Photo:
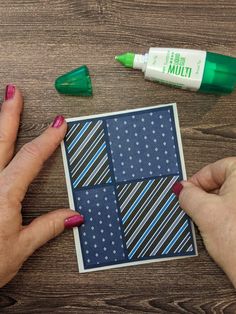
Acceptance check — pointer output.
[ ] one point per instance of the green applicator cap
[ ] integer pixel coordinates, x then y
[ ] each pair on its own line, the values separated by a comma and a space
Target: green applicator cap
126, 59
76, 82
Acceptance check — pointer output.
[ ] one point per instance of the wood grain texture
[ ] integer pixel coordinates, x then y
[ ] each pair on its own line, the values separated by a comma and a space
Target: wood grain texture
41, 40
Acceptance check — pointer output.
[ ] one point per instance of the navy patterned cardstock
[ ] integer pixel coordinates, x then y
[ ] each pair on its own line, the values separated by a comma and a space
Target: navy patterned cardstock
87, 154
120, 170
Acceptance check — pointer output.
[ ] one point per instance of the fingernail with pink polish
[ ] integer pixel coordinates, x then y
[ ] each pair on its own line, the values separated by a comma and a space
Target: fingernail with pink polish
58, 121
177, 188
10, 91
74, 221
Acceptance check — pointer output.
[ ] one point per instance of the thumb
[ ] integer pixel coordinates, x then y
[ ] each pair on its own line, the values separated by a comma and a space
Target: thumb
47, 227
197, 203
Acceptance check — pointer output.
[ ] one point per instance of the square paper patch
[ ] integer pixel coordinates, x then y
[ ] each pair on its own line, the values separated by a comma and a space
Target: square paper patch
87, 154
143, 145
101, 235
154, 224
120, 169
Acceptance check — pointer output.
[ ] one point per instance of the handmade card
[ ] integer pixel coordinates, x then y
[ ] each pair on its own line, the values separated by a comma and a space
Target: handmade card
120, 169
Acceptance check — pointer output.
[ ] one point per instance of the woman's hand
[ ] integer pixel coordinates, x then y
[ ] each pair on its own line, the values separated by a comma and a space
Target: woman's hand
209, 198
18, 242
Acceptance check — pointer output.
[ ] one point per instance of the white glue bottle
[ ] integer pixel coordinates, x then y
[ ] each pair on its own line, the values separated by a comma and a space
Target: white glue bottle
190, 69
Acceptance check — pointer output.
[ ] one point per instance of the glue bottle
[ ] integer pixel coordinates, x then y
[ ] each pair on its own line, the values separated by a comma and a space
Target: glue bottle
190, 69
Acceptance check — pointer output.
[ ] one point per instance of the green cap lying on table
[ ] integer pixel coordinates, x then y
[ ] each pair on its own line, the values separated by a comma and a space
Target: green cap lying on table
75, 83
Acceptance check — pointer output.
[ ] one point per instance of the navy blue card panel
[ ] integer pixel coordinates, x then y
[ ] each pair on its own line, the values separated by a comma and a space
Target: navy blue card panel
143, 145
101, 235
122, 169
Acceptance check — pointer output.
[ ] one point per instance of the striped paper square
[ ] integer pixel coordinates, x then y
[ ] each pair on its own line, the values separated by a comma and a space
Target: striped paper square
87, 154
153, 222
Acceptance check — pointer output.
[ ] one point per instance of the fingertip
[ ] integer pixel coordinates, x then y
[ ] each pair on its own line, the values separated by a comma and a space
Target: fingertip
73, 221
13, 101
65, 218
10, 90
198, 204
177, 188
53, 135
58, 121
60, 125
48, 226
184, 191
187, 192
13, 94
186, 184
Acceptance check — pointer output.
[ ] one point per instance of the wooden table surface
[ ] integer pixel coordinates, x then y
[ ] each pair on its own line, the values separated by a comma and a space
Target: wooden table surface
41, 40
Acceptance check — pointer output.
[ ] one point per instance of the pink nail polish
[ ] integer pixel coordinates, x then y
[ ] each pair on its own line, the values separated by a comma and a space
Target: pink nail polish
58, 121
10, 91
177, 188
74, 221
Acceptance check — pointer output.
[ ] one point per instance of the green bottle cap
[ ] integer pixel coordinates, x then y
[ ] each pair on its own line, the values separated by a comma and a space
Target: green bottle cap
76, 82
219, 74
126, 59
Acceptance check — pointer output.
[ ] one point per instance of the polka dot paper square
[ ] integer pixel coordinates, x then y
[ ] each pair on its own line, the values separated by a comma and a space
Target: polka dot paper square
101, 235
143, 145
120, 169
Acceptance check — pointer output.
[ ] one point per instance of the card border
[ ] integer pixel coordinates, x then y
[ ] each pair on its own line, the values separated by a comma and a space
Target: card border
70, 192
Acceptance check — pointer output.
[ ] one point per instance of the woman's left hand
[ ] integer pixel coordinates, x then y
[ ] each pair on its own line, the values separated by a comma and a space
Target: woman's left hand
18, 242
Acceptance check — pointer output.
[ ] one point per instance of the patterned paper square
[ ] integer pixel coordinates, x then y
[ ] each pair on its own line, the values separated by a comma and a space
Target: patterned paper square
87, 154
154, 224
101, 234
143, 145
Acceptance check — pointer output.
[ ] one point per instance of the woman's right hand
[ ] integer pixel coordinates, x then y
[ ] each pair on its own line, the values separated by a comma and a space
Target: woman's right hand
209, 198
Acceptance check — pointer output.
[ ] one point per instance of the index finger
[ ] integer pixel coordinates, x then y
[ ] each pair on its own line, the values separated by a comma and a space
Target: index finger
29, 160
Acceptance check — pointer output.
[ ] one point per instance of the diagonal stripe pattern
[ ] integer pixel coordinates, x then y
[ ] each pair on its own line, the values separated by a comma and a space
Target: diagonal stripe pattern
87, 155
153, 222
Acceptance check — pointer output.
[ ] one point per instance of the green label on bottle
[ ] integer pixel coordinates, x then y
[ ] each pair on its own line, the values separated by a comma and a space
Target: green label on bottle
179, 67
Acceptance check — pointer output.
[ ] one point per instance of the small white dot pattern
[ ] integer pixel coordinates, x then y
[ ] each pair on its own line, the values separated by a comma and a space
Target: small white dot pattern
100, 235
143, 145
